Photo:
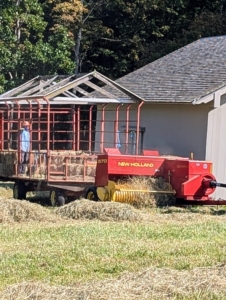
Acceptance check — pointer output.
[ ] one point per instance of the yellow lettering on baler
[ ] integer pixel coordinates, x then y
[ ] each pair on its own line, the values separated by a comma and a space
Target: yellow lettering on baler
123, 164
135, 164
102, 161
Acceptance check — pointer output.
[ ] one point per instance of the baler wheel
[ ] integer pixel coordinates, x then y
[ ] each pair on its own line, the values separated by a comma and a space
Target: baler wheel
91, 194
56, 198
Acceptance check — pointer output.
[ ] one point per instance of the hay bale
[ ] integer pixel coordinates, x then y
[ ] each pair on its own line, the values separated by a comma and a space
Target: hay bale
147, 199
8, 160
104, 211
77, 163
91, 171
75, 169
23, 211
39, 171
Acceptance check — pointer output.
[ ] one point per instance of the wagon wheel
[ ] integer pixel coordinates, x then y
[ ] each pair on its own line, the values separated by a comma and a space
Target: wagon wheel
53, 198
19, 191
91, 194
56, 199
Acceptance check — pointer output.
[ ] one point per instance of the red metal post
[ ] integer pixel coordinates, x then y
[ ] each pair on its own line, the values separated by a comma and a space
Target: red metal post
8, 125
78, 128
102, 128
48, 124
48, 137
18, 143
30, 114
39, 125
127, 128
116, 123
138, 126
90, 127
74, 130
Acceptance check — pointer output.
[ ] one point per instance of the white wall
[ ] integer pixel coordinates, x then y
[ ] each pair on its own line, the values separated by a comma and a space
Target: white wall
176, 129
216, 146
223, 99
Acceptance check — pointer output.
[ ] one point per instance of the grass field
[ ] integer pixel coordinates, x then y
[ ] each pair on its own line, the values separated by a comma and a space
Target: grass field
170, 253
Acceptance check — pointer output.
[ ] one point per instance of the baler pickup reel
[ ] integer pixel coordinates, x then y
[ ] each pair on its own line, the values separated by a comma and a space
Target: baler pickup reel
125, 194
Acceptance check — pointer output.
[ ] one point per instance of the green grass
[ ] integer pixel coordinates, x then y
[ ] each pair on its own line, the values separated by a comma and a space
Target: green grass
63, 254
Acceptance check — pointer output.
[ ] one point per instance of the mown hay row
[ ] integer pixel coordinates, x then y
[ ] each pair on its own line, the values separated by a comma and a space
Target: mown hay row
153, 283
23, 211
104, 211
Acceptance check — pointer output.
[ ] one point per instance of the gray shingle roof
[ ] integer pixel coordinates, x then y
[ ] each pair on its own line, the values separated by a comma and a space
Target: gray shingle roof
184, 75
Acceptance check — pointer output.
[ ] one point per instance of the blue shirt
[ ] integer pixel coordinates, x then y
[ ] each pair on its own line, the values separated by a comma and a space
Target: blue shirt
25, 140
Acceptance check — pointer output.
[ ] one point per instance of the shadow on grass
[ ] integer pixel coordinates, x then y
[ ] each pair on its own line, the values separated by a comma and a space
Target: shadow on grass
207, 210
7, 185
41, 198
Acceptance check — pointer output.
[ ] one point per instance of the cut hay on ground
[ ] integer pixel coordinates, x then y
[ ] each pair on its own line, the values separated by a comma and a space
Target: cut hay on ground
153, 283
24, 211
147, 199
104, 211
6, 191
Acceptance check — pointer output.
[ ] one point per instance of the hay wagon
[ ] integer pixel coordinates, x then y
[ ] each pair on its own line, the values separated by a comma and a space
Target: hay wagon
72, 119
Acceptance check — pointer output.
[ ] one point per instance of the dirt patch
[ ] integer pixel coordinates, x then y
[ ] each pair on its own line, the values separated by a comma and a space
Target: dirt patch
104, 211
23, 211
153, 283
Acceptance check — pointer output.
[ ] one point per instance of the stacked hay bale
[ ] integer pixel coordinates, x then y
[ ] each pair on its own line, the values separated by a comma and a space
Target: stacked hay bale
75, 165
8, 162
38, 164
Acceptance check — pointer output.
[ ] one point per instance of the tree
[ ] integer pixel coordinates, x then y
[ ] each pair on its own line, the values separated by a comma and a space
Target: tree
74, 15
24, 53
113, 36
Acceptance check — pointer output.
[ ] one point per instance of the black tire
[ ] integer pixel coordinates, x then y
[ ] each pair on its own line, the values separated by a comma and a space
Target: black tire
19, 191
91, 194
56, 198
61, 200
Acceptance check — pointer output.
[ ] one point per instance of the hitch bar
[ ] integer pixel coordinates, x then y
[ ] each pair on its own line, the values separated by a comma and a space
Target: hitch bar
214, 184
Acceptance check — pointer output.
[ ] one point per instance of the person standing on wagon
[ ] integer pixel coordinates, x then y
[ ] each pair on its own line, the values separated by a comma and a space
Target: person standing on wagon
24, 147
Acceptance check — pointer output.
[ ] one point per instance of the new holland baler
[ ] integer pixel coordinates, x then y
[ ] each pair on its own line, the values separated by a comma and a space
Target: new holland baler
187, 181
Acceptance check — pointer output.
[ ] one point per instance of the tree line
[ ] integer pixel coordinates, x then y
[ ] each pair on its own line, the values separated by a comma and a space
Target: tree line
115, 37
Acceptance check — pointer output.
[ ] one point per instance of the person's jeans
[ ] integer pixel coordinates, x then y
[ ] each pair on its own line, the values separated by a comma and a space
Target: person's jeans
24, 157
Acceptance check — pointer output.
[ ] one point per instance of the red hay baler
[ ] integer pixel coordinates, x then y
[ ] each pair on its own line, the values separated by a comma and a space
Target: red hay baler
188, 181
